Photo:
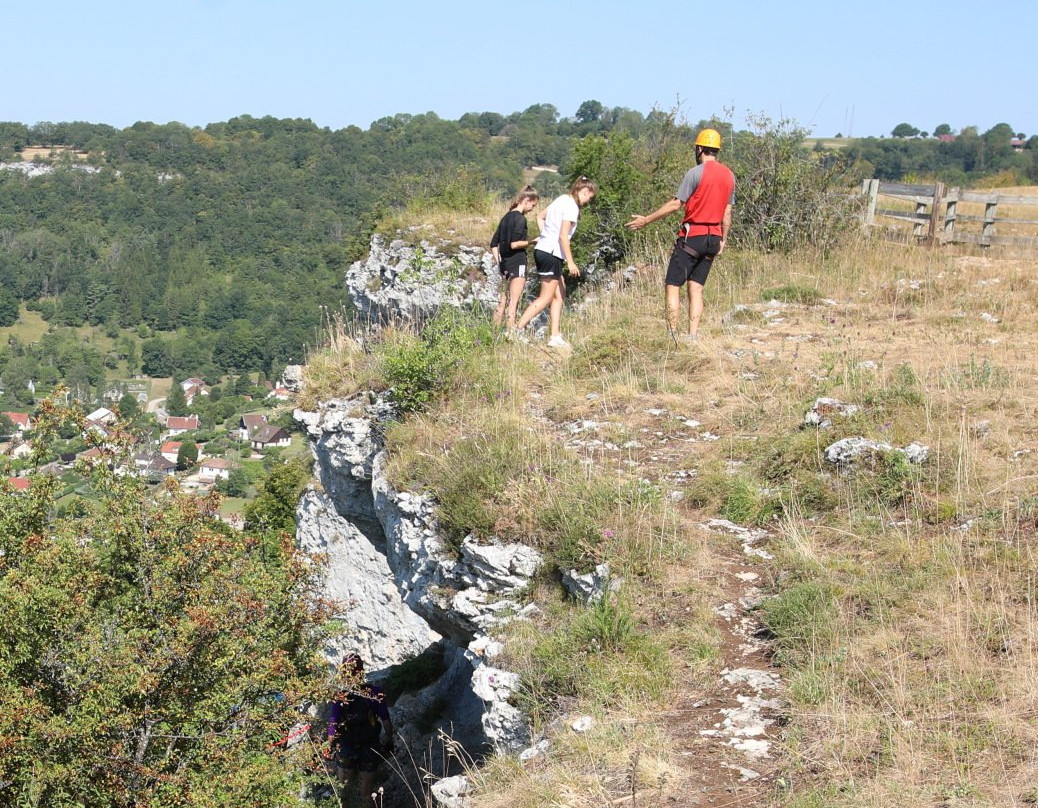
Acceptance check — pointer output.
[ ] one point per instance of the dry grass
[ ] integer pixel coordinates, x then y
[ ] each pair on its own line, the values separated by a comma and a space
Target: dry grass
919, 687
474, 225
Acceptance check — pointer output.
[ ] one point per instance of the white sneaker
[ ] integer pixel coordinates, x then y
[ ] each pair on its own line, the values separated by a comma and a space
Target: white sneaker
558, 342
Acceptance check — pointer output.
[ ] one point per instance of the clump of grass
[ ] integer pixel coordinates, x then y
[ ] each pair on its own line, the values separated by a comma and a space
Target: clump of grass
746, 503
803, 618
792, 293
977, 375
745, 315
597, 654
339, 367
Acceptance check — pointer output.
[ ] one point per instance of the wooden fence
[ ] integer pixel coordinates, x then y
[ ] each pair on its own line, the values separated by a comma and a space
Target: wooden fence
929, 224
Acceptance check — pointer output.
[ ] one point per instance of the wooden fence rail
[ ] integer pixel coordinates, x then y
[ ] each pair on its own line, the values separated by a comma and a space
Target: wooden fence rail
928, 223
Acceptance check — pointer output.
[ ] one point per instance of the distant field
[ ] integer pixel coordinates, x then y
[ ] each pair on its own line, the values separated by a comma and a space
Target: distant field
29, 328
828, 142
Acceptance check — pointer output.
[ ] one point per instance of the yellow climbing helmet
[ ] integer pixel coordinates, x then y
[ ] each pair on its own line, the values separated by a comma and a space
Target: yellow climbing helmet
709, 139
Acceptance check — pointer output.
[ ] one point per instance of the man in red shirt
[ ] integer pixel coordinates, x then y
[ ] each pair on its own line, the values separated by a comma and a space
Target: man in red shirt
706, 194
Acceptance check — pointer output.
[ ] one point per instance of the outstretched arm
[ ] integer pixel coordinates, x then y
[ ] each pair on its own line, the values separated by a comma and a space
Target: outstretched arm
637, 221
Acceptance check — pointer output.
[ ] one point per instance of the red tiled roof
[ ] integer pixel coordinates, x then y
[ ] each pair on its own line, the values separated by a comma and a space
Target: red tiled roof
21, 418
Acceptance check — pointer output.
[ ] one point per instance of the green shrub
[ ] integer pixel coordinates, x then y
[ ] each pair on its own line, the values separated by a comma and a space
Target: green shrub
420, 368
788, 198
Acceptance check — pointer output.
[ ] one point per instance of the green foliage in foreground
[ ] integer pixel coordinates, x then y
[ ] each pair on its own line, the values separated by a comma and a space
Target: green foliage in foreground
150, 656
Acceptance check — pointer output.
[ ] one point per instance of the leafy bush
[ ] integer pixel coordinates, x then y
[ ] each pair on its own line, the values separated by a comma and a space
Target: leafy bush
152, 655
421, 367
787, 198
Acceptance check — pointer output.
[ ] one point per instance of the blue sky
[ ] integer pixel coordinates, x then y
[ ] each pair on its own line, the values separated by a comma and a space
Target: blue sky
857, 68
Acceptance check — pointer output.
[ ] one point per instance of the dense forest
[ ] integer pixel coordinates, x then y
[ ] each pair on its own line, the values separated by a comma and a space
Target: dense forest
208, 251
236, 235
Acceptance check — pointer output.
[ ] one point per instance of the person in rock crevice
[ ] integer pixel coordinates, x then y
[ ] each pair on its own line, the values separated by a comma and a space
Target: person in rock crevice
357, 718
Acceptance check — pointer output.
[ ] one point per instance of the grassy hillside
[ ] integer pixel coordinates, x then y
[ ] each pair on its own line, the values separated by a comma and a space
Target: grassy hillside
898, 599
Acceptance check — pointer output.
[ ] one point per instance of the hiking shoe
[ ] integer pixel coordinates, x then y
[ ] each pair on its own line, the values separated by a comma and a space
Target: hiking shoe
558, 342
517, 335
687, 339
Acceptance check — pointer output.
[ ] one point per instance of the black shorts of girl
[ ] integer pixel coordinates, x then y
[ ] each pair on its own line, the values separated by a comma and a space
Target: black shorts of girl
513, 269
683, 267
548, 266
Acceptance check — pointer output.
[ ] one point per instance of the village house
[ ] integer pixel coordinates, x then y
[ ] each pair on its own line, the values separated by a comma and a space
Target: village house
249, 424
18, 483
21, 420
215, 468
169, 450
102, 416
154, 465
194, 387
21, 451
90, 455
178, 425
270, 437
97, 427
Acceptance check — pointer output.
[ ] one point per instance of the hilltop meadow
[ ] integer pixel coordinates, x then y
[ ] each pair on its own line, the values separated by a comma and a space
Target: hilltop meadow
897, 599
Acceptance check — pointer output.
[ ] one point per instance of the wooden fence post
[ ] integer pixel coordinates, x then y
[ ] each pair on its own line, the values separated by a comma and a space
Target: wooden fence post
950, 215
935, 212
990, 209
870, 187
917, 228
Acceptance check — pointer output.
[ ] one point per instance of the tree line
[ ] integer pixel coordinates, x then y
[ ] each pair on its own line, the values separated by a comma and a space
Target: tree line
964, 159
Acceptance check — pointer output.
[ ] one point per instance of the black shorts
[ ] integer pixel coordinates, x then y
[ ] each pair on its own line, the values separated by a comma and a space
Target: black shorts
513, 269
548, 266
683, 267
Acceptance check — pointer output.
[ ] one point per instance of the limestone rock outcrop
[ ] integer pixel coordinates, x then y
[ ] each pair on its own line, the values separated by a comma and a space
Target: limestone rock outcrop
400, 282
403, 586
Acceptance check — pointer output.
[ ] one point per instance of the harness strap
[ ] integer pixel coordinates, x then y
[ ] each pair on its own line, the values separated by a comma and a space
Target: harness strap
683, 244
686, 226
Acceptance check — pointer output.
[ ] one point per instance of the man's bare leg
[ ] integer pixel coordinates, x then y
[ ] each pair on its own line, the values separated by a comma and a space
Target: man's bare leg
695, 307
